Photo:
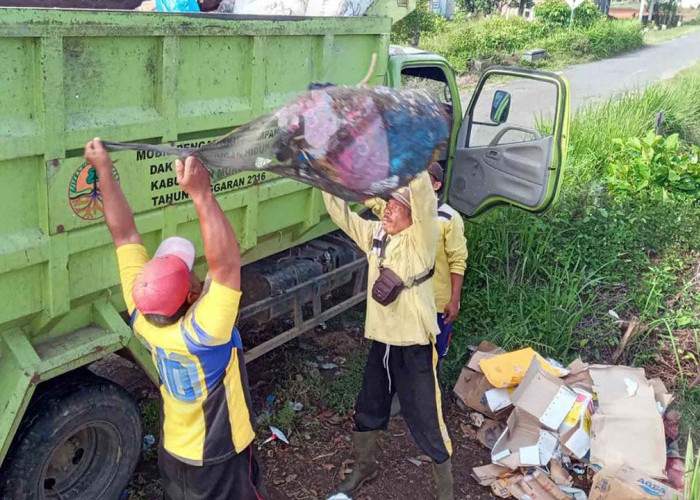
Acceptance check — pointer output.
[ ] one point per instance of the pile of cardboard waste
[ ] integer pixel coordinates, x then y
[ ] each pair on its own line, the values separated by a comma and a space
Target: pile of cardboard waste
576, 432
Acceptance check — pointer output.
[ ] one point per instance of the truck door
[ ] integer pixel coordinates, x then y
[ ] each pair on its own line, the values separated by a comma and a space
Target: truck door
511, 146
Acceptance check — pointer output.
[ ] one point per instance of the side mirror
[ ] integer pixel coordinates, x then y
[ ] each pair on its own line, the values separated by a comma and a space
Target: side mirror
500, 107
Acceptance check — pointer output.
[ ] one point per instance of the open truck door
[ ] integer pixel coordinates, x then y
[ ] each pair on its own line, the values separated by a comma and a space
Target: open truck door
511, 145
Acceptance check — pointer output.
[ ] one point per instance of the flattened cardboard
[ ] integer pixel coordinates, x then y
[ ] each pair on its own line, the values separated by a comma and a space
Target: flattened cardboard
661, 394
485, 350
626, 430
471, 388
543, 396
559, 474
575, 430
613, 483
523, 443
506, 370
579, 378
488, 474
543, 488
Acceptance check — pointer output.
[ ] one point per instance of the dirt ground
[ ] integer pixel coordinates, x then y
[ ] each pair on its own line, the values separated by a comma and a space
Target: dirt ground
314, 461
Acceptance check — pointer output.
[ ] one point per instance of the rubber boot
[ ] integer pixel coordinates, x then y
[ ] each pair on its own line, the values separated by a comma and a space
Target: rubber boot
443, 480
365, 467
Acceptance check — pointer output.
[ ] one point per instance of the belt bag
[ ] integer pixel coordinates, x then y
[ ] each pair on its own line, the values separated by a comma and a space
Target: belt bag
389, 285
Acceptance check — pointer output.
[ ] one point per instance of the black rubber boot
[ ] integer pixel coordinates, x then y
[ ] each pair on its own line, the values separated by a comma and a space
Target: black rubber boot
443, 480
365, 467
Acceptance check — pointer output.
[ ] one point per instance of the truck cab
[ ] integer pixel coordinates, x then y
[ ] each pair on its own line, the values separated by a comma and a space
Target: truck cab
508, 138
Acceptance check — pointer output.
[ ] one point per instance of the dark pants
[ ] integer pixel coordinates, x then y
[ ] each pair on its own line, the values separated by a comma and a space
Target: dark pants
238, 478
410, 372
442, 343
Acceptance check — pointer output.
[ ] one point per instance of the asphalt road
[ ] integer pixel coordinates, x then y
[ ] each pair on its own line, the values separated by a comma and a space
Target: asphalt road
533, 101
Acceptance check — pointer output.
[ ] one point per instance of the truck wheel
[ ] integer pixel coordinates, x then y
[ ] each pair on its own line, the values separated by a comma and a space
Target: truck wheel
82, 442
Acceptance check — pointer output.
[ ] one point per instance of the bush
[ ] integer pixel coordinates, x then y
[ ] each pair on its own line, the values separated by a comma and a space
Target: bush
661, 167
558, 12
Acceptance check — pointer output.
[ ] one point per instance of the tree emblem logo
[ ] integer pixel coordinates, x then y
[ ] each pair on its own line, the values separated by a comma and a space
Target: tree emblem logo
84, 194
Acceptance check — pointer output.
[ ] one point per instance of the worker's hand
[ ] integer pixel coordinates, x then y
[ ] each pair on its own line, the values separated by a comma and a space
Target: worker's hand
97, 156
192, 177
451, 312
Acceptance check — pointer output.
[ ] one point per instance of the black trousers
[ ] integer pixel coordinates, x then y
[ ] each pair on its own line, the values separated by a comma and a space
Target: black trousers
410, 372
238, 478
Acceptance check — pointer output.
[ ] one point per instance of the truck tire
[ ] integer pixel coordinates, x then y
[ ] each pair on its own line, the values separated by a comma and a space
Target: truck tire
78, 440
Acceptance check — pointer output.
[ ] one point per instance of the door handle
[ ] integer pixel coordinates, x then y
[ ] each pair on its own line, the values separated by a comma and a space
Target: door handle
493, 155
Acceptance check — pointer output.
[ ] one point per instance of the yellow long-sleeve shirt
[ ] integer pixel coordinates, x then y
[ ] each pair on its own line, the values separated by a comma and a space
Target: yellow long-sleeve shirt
451, 253
412, 318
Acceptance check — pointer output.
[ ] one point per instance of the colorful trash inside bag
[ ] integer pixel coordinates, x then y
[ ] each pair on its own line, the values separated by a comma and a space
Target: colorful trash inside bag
353, 142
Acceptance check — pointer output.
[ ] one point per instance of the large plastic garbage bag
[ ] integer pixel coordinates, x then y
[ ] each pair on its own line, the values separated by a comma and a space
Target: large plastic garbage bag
353, 142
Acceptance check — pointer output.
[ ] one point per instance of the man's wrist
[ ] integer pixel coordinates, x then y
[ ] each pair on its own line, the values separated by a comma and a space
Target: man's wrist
202, 197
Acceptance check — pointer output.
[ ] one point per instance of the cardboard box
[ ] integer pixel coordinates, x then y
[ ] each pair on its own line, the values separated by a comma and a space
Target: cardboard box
488, 474
523, 443
627, 428
575, 430
471, 388
485, 350
543, 396
579, 377
626, 483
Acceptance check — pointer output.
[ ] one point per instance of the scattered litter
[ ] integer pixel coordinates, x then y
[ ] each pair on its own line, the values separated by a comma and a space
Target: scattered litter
425, 458
329, 366
498, 399
505, 370
575, 493
661, 394
559, 474
476, 418
339, 496
489, 432
415, 462
488, 474
624, 482
614, 314
553, 431
544, 396
675, 472
523, 443
148, 442
296, 406
276, 434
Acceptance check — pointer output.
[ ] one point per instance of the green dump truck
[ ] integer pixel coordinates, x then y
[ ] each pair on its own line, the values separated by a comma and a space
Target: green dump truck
69, 75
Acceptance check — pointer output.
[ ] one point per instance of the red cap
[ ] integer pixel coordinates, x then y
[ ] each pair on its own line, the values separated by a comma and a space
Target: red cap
162, 286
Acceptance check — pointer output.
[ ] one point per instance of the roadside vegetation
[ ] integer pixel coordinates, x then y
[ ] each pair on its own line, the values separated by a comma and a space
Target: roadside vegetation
497, 40
612, 272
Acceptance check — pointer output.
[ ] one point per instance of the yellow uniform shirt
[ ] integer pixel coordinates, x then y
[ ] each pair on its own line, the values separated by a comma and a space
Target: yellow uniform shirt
206, 407
411, 319
451, 252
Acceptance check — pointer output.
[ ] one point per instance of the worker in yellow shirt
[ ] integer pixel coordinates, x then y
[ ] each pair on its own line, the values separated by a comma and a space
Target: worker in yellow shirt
205, 450
450, 261
401, 321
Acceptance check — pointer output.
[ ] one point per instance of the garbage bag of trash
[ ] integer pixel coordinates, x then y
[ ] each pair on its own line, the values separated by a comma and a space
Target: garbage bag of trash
177, 6
353, 142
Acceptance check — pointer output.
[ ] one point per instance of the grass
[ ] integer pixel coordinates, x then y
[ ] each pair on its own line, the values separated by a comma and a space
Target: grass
502, 41
550, 282
656, 37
